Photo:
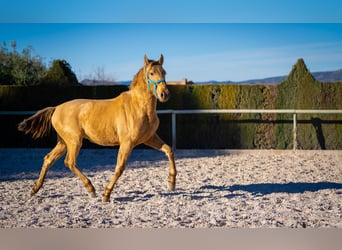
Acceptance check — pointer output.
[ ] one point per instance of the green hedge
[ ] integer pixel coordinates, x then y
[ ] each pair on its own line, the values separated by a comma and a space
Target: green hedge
301, 91
37, 97
263, 131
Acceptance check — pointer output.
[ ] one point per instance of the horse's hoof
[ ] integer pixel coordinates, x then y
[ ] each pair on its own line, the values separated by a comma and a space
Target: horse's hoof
105, 198
172, 187
33, 191
92, 195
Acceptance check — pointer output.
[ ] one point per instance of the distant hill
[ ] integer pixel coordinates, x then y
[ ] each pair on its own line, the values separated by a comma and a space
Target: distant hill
328, 76
324, 76
268, 80
89, 82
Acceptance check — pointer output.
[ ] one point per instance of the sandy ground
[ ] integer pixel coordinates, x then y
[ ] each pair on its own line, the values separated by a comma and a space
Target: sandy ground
215, 188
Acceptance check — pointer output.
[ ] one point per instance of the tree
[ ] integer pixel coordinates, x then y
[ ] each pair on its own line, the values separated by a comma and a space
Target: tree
5, 66
20, 69
27, 70
60, 74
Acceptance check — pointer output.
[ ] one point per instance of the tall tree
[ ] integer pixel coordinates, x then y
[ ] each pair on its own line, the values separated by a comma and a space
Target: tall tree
60, 74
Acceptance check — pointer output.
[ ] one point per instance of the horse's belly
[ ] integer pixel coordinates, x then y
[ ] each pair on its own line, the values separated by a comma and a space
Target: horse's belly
109, 140
100, 133
135, 136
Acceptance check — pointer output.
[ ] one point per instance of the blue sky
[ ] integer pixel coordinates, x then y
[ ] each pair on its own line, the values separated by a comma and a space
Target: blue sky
210, 40
171, 11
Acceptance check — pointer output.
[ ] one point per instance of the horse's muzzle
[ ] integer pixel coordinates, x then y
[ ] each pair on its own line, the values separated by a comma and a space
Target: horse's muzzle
164, 96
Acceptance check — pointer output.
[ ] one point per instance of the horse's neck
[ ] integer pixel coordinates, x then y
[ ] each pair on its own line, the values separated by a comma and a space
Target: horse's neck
144, 101
141, 95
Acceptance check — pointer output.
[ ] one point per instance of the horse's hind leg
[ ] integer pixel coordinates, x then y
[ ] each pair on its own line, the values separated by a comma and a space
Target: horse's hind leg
70, 161
49, 160
157, 143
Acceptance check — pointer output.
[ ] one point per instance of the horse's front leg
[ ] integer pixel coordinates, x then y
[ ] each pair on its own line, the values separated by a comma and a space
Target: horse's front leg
124, 152
157, 143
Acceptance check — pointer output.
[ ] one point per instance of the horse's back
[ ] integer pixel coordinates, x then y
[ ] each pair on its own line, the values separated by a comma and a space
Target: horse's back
86, 118
72, 111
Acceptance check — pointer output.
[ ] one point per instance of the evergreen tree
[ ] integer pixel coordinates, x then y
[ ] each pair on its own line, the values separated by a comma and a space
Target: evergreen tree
60, 74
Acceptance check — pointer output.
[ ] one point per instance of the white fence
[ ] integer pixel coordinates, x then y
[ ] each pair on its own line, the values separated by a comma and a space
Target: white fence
294, 112
173, 114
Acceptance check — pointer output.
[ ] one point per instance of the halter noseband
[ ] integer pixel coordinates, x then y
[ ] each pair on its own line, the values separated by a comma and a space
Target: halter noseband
149, 81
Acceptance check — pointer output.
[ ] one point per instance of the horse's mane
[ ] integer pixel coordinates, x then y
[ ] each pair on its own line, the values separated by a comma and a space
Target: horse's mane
137, 78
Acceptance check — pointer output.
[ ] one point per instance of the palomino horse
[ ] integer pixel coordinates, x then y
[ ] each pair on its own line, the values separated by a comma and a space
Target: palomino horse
127, 120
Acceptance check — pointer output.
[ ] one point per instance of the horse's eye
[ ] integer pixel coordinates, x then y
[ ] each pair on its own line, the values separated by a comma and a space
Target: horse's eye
151, 73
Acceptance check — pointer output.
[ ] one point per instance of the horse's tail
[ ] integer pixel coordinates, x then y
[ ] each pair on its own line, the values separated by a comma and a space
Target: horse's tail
39, 124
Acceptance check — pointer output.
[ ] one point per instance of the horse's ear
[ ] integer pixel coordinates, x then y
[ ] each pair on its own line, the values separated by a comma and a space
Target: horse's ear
146, 60
161, 59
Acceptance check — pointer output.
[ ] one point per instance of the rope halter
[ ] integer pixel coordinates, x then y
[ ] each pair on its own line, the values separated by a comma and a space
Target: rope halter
149, 81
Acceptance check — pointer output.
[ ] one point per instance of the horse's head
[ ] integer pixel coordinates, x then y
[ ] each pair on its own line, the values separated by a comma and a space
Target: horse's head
155, 78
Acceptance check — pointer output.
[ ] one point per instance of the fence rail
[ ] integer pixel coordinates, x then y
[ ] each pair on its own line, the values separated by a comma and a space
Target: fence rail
294, 112
174, 112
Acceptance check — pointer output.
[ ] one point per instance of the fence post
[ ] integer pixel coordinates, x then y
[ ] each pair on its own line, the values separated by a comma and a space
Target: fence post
294, 131
173, 128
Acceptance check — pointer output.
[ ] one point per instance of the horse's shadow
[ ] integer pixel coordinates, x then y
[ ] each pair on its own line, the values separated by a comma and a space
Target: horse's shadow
229, 192
269, 188
135, 196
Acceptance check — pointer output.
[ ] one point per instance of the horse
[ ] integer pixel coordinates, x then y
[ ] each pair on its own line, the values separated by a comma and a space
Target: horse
126, 121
